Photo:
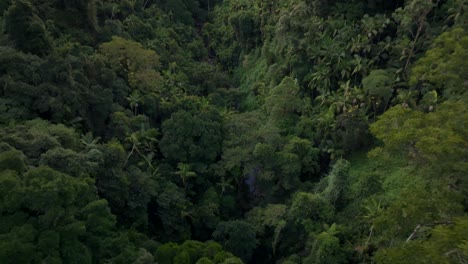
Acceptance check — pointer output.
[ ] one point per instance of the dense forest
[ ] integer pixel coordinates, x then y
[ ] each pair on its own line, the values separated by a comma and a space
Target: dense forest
235, 131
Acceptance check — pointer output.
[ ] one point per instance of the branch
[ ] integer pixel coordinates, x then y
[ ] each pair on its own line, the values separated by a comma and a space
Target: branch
370, 235
144, 6
416, 229
129, 155
440, 223
420, 23
450, 252
413, 234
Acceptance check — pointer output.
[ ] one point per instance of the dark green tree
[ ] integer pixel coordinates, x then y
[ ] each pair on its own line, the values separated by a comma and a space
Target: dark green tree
237, 237
26, 29
191, 137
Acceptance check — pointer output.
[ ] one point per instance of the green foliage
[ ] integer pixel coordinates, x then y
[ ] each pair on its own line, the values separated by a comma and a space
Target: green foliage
135, 131
273, 216
425, 138
284, 104
26, 29
379, 87
172, 206
445, 244
12, 160
10, 186
310, 210
241, 136
444, 66
194, 252
4, 5
326, 248
237, 237
246, 27
337, 182
68, 161
129, 56
166, 253
56, 205
192, 138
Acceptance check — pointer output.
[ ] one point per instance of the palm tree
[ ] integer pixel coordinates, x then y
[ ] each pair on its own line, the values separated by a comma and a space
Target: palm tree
184, 172
89, 141
374, 209
134, 99
134, 140
224, 184
137, 143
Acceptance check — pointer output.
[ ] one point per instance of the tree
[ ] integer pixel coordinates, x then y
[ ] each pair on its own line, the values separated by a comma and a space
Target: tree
413, 21
309, 211
141, 189
12, 160
284, 104
184, 172
241, 136
326, 248
111, 182
52, 212
191, 138
246, 27
237, 237
139, 65
445, 244
4, 5
337, 182
69, 162
173, 211
378, 85
428, 146
444, 67
207, 213
192, 251
306, 153
272, 217
26, 29
424, 138
11, 193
